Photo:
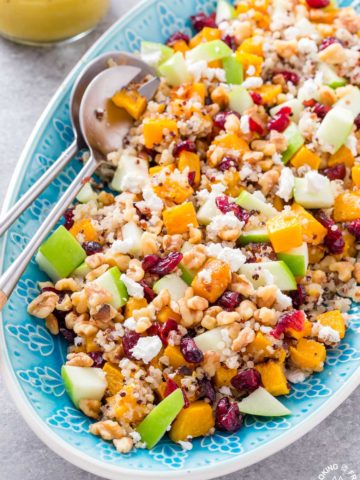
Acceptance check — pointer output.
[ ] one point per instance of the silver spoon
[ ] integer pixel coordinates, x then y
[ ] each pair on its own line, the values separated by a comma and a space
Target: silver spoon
88, 74
94, 132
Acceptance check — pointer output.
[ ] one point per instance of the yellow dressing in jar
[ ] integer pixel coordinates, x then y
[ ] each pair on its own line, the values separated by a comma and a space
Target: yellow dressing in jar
48, 21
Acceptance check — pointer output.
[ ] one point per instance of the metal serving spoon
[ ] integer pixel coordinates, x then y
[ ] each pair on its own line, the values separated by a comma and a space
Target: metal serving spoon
101, 135
88, 74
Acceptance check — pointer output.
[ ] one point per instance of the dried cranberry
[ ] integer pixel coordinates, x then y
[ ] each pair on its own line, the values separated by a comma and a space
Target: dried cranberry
220, 118
227, 416
69, 218
321, 110
280, 121
248, 380
189, 349
191, 178
184, 145
129, 341
170, 387
201, 20
298, 296
309, 103
97, 357
257, 98
164, 265
178, 36
150, 261
229, 300
227, 163
294, 319
207, 390
155, 329
337, 172
333, 240
357, 122
149, 293
165, 330
69, 335
289, 76
230, 41
318, 3
354, 228
223, 204
92, 247
255, 127
327, 42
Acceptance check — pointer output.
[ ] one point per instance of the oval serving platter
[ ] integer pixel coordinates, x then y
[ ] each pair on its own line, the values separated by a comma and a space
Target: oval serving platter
31, 358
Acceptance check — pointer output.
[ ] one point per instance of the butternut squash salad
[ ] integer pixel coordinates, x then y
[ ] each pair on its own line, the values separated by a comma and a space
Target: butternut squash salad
221, 270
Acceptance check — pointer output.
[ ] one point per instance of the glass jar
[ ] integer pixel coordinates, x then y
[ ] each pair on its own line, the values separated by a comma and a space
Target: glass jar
41, 22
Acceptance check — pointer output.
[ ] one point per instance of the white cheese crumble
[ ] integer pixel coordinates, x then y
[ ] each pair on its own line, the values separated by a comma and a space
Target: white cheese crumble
130, 323
315, 182
185, 445
122, 246
251, 70
205, 276
147, 348
325, 333
245, 171
223, 221
252, 82
306, 46
134, 182
282, 301
286, 184
309, 90
244, 124
233, 256
296, 376
151, 200
133, 288
197, 69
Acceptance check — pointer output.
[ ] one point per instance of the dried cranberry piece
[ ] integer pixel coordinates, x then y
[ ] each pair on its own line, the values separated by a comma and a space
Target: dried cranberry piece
337, 172
207, 390
357, 122
227, 416
191, 178
227, 163
150, 261
321, 110
333, 240
177, 36
255, 127
230, 41
129, 341
229, 300
289, 76
294, 319
97, 357
170, 387
189, 349
69, 335
184, 145
166, 264
327, 42
220, 118
201, 20
149, 293
155, 329
223, 204
165, 330
309, 103
318, 3
249, 380
257, 98
92, 247
354, 228
69, 218
298, 296
280, 121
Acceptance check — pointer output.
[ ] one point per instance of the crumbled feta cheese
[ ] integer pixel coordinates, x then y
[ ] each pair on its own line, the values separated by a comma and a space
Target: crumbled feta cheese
135, 436
233, 256
130, 323
197, 69
291, 33
185, 445
286, 184
252, 82
282, 301
325, 333
259, 195
309, 90
306, 46
221, 222
351, 144
244, 124
147, 348
315, 182
122, 246
205, 276
133, 288
251, 70
296, 376
134, 182
245, 171
151, 200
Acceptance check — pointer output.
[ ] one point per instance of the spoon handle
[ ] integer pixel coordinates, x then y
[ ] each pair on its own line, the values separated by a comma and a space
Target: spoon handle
37, 188
11, 276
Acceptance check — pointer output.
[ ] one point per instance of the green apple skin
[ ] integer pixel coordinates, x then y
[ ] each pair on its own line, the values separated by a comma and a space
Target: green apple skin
154, 54
208, 210
335, 128
209, 51
254, 236
175, 285
84, 383
224, 11
313, 200
295, 142
297, 259
81, 271
60, 254
351, 101
240, 99
155, 425
249, 201
282, 275
86, 194
112, 282
263, 404
187, 274
175, 70
234, 71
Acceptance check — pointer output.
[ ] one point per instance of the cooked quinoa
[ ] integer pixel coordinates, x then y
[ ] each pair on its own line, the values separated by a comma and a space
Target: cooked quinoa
220, 185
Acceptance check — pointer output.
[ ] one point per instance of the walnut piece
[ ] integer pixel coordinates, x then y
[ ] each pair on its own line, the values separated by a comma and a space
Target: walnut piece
43, 305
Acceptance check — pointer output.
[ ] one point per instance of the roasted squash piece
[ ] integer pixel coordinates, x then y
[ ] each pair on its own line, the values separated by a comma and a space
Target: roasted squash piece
284, 231
178, 219
131, 101
343, 155
192, 161
173, 191
156, 129
220, 274
176, 358
114, 378
223, 376
273, 377
308, 355
347, 206
305, 332
85, 229
134, 304
194, 421
304, 156
333, 319
166, 313
258, 349
312, 230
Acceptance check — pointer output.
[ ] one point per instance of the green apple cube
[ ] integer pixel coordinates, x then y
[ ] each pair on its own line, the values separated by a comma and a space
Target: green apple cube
351, 101
335, 128
330, 77
277, 273
308, 198
214, 340
173, 284
129, 165
60, 254
209, 51
234, 71
86, 194
263, 404
81, 271
175, 70
187, 274
249, 201
297, 259
132, 233
224, 11
112, 283
240, 99
295, 141
156, 423
294, 104
84, 383
253, 236
154, 54
208, 210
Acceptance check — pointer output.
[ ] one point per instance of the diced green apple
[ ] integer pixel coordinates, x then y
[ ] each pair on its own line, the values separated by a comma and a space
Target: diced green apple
60, 254
133, 233
240, 99
208, 210
295, 141
335, 128
86, 194
112, 283
305, 196
278, 272
156, 423
175, 70
294, 104
297, 259
84, 383
154, 54
214, 340
209, 51
263, 404
173, 284
253, 236
224, 11
128, 165
330, 77
351, 101
81, 271
187, 273
249, 201
234, 71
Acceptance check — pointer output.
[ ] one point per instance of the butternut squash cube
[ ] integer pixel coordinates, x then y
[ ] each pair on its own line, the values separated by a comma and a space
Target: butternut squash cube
85, 229
250, 60
162, 168
205, 35
134, 304
347, 206
194, 421
333, 319
131, 101
178, 219
308, 355
343, 155
355, 174
166, 313
91, 345
220, 274
223, 376
176, 358
230, 141
269, 93
173, 191
156, 129
180, 46
126, 408
312, 230
305, 332
304, 156
192, 161
258, 348
252, 45
114, 378
284, 231
273, 377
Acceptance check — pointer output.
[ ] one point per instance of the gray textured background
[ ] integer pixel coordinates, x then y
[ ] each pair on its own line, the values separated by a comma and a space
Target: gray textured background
28, 78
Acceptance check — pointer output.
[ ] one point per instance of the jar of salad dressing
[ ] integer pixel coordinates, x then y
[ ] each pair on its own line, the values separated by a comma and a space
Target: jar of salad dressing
41, 22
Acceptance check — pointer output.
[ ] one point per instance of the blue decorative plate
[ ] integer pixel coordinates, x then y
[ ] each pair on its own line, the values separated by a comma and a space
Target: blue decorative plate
31, 357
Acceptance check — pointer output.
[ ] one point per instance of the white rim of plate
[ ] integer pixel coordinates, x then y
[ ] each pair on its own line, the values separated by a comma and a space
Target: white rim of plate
58, 445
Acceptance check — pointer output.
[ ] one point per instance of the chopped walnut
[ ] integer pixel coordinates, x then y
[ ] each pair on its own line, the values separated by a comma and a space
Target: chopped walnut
52, 324
64, 304
43, 305
357, 272
94, 261
123, 445
97, 295
195, 235
80, 301
172, 243
285, 48
106, 198
148, 244
232, 124
195, 258
240, 284
208, 322
96, 273
266, 316
268, 181
211, 363
67, 284
91, 408
245, 337
135, 270
108, 430
79, 359
246, 309
197, 303
220, 96
333, 54
85, 329
279, 141
162, 300
189, 317
343, 269
266, 296
227, 318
